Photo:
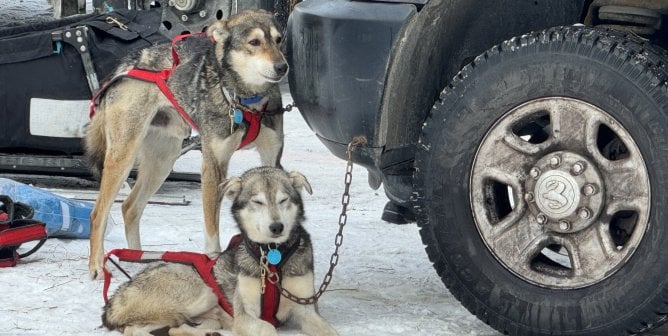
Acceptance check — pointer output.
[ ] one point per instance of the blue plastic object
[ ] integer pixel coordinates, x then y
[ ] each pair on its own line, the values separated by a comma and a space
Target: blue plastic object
274, 256
64, 218
238, 116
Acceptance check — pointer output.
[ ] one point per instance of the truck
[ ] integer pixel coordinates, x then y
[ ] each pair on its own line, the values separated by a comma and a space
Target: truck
526, 138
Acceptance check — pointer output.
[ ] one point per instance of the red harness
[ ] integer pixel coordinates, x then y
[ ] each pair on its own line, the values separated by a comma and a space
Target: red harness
204, 267
16, 228
253, 128
15, 233
160, 79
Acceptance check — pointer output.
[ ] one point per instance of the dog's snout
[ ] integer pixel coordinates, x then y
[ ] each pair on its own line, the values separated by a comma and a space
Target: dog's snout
281, 68
276, 228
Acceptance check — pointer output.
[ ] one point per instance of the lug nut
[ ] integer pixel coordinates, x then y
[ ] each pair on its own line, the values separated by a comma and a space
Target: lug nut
589, 189
584, 213
555, 161
564, 225
541, 219
529, 197
578, 168
534, 172
184, 17
202, 13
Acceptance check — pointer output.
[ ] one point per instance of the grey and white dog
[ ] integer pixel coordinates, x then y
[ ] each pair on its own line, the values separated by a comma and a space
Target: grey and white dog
268, 209
135, 124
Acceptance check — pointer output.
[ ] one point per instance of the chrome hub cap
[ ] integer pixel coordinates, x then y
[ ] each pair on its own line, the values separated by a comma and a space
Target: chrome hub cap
560, 193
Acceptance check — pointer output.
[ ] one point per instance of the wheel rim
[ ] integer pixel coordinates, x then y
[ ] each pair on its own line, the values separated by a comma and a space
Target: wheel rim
560, 193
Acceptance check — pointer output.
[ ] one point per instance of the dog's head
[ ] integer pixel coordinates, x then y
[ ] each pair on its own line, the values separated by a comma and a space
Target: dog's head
267, 204
249, 43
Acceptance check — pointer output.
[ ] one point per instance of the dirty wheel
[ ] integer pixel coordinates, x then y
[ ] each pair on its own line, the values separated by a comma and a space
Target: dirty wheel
540, 185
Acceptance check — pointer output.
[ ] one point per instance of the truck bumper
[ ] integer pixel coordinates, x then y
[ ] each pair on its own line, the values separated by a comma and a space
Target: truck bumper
339, 52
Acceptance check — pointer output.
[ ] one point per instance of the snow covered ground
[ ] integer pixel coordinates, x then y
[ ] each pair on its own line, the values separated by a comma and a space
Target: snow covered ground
384, 284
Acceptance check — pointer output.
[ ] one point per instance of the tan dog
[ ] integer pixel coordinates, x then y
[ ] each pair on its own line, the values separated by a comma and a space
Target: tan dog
136, 124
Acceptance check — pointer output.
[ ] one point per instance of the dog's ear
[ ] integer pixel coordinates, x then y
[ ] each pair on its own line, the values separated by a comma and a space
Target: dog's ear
219, 31
299, 181
231, 187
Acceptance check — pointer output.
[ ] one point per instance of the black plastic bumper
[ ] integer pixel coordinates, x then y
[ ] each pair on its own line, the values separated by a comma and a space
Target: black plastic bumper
339, 52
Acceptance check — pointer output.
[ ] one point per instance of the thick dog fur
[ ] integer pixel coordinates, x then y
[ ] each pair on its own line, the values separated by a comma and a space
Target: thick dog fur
173, 295
135, 124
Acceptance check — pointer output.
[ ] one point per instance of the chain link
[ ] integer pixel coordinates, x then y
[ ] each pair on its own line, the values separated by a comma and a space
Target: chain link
288, 107
338, 241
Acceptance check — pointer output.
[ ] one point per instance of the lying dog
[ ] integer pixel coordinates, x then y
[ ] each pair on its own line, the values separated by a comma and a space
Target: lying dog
268, 209
238, 63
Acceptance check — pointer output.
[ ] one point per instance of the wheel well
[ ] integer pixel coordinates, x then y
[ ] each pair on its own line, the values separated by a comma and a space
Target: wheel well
438, 42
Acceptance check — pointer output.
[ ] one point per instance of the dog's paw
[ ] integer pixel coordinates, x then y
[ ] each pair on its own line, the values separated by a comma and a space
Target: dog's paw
95, 272
95, 265
266, 329
256, 328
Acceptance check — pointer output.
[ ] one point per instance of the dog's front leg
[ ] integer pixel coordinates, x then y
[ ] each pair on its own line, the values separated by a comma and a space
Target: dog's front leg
135, 330
270, 143
216, 155
247, 309
305, 316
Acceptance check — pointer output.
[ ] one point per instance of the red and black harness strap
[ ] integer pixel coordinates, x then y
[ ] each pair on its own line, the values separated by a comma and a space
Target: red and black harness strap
253, 129
272, 292
204, 267
15, 233
15, 229
270, 299
201, 262
160, 79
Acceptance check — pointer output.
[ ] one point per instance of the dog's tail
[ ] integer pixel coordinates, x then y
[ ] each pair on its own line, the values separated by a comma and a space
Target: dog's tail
95, 144
107, 321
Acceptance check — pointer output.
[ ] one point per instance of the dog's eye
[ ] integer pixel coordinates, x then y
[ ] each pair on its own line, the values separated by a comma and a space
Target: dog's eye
283, 201
256, 202
279, 40
254, 42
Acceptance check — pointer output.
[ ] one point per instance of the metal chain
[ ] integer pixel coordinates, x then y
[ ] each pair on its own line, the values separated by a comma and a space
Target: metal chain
289, 107
338, 241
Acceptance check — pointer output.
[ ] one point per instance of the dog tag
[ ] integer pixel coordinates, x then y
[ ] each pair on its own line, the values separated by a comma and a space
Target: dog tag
238, 116
274, 256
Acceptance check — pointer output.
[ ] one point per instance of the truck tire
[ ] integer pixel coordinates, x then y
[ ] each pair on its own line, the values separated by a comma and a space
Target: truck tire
541, 184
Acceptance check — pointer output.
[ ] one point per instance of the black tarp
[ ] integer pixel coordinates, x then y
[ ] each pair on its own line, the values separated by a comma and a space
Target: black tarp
32, 65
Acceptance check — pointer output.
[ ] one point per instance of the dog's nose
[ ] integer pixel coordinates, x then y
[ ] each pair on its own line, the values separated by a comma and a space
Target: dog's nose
281, 68
276, 228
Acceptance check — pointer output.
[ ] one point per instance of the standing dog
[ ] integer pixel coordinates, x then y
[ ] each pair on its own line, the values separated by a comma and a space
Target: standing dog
268, 209
136, 123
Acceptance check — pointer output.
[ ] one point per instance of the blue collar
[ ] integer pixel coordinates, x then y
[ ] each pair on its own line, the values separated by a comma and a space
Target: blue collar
250, 100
